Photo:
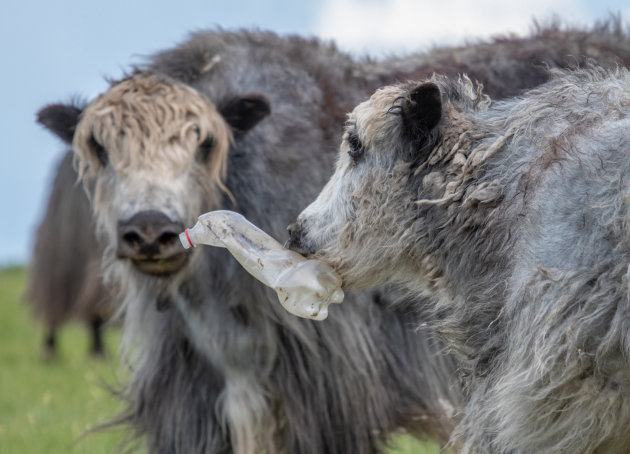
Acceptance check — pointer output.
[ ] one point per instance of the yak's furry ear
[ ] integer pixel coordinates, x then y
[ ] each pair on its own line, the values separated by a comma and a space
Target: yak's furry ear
421, 113
422, 108
60, 119
245, 112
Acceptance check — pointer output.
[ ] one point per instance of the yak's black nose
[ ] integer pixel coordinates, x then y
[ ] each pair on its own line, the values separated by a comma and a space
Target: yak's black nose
148, 234
296, 239
151, 240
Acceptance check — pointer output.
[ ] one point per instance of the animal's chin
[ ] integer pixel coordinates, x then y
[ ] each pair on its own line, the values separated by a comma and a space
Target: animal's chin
352, 277
308, 249
161, 266
300, 249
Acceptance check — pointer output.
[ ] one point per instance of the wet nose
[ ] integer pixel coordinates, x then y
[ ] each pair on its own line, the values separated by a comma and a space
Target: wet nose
148, 235
294, 233
296, 238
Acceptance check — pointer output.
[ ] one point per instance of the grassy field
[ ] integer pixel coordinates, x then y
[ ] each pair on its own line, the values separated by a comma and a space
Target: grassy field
46, 407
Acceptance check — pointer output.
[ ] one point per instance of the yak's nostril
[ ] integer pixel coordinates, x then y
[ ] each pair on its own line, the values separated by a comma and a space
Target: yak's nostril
167, 238
296, 238
293, 230
132, 238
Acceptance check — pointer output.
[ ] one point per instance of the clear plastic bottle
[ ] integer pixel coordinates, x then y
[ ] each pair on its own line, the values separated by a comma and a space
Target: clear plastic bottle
305, 287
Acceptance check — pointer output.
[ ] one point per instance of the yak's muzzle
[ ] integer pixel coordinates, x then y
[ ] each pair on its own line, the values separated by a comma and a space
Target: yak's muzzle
150, 240
297, 241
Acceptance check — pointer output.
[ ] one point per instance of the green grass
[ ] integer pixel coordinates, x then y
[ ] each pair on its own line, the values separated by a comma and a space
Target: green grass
409, 445
46, 407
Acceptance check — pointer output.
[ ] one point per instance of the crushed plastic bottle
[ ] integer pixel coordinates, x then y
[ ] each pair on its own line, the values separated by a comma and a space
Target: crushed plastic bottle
305, 287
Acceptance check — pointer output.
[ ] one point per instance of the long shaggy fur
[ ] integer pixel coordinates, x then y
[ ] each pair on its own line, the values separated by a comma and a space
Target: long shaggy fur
514, 229
224, 369
504, 65
221, 367
507, 65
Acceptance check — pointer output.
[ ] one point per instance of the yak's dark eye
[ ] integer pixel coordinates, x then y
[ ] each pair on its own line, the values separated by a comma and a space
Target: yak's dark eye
355, 147
99, 151
205, 149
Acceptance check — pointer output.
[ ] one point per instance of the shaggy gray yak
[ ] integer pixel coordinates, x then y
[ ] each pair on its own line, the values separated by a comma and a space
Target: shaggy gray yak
225, 120
510, 221
505, 66
217, 366
64, 271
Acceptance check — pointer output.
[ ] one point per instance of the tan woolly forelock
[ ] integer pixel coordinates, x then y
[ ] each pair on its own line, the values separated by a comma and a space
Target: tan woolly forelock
371, 118
151, 123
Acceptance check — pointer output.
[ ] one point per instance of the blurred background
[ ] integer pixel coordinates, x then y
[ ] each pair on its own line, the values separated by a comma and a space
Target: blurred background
56, 51
52, 51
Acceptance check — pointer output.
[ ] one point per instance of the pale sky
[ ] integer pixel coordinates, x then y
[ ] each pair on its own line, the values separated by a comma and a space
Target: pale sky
52, 51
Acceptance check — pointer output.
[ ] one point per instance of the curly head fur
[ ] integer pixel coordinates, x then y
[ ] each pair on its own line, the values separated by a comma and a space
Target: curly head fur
138, 116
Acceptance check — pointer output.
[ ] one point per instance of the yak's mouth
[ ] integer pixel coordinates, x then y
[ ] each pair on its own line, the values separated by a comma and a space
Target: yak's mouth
160, 266
306, 251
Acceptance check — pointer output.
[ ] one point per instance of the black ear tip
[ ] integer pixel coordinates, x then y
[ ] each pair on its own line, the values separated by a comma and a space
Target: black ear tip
260, 102
426, 93
244, 112
44, 114
60, 119
52, 111
259, 106
422, 110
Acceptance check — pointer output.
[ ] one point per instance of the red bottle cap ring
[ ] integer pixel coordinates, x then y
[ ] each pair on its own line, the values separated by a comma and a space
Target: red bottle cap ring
188, 238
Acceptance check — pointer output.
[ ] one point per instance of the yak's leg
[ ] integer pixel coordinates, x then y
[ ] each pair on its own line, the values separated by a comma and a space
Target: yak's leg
49, 347
98, 347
